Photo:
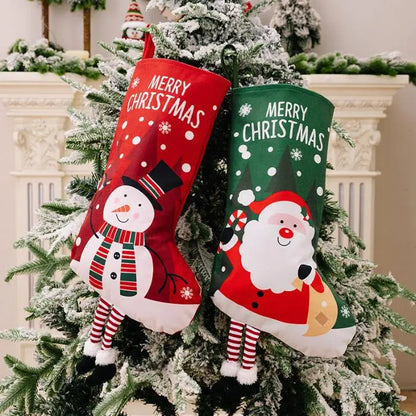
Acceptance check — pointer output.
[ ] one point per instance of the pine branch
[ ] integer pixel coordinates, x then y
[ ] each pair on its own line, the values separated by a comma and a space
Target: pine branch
115, 401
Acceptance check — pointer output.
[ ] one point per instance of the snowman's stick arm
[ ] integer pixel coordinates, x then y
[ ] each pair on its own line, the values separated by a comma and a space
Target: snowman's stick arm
167, 274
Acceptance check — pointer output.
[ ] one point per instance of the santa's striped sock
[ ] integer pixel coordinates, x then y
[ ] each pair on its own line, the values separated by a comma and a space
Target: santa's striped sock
114, 321
234, 340
250, 341
101, 313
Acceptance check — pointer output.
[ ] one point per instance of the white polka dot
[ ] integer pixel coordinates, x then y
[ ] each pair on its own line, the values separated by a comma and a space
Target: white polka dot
238, 173
317, 159
246, 155
223, 269
121, 156
136, 140
150, 123
319, 190
78, 241
271, 171
242, 148
163, 146
214, 107
109, 166
236, 134
189, 135
144, 164
141, 118
231, 196
97, 206
299, 173
270, 149
186, 167
124, 125
324, 304
127, 137
258, 188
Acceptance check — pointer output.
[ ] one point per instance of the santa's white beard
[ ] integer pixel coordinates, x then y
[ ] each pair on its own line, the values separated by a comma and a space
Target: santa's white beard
271, 265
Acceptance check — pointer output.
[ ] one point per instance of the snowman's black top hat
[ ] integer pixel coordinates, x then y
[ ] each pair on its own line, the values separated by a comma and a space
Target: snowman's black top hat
157, 182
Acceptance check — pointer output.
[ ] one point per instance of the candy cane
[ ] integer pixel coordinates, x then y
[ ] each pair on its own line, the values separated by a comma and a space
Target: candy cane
238, 216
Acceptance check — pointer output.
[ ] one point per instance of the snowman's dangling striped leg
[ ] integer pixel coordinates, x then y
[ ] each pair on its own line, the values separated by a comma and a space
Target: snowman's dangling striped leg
230, 366
105, 367
247, 374
93, 344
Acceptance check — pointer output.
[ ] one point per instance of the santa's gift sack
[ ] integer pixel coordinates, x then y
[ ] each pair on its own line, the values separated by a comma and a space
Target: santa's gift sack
265, 273
125, 249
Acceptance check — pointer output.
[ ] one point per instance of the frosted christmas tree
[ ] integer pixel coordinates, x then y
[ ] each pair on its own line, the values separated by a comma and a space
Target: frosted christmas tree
170, 371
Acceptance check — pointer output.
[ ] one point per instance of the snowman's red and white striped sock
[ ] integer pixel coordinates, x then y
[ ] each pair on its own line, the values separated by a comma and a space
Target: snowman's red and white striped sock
250, 342
114, 321
234, 340
101, 314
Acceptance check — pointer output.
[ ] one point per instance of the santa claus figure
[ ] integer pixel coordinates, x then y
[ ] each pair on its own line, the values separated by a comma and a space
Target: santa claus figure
274, 285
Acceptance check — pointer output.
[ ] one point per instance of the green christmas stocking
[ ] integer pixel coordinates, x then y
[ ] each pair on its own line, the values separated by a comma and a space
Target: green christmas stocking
265, 275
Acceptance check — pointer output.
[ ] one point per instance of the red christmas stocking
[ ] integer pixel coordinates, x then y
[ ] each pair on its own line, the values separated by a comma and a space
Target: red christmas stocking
265, 274
126, 249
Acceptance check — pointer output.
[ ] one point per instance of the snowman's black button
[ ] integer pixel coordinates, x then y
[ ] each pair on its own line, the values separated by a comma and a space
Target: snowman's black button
260, 293
113, 275
116, 255
255, 305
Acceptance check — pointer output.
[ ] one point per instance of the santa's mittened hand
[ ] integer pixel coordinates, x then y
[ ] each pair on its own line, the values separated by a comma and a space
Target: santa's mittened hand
304, 271
226, 235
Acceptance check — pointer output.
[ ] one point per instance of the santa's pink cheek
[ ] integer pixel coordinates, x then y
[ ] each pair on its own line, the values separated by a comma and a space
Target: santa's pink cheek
116, 200
136, 216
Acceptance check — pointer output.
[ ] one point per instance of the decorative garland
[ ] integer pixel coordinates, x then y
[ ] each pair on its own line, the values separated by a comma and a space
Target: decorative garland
45, 56
338, 63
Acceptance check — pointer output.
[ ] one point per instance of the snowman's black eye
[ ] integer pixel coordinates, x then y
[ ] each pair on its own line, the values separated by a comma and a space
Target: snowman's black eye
140, 205
281, 221
125, 195
294, 225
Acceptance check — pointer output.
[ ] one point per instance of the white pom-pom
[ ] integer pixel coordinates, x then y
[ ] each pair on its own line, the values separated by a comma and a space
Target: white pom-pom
246, 197
229, 368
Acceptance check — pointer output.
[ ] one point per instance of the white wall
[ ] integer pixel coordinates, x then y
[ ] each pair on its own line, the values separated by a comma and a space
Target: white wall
362, 28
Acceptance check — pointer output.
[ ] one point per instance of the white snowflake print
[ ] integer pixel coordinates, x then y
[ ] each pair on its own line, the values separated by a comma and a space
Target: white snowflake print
135, 82
296, 154
187, 293
165, 127
345, 312
245, 110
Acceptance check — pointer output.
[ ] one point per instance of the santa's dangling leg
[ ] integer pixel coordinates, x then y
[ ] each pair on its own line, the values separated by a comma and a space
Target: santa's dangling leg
247, 372
98, 354
231, 365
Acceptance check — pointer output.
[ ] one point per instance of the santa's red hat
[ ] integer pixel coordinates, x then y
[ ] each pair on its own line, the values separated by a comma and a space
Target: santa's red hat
284, 202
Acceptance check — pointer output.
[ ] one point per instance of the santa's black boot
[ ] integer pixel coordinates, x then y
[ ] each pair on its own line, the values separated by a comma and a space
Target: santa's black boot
87, 362
105, 367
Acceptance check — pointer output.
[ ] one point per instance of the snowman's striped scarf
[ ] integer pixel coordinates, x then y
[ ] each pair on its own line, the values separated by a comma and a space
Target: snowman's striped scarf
128, 277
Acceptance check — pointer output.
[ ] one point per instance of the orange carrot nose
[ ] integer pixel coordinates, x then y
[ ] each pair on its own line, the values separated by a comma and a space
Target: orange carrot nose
124, 208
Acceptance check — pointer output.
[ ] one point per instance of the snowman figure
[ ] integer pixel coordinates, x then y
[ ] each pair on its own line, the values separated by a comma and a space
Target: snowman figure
133, 26
117, 263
